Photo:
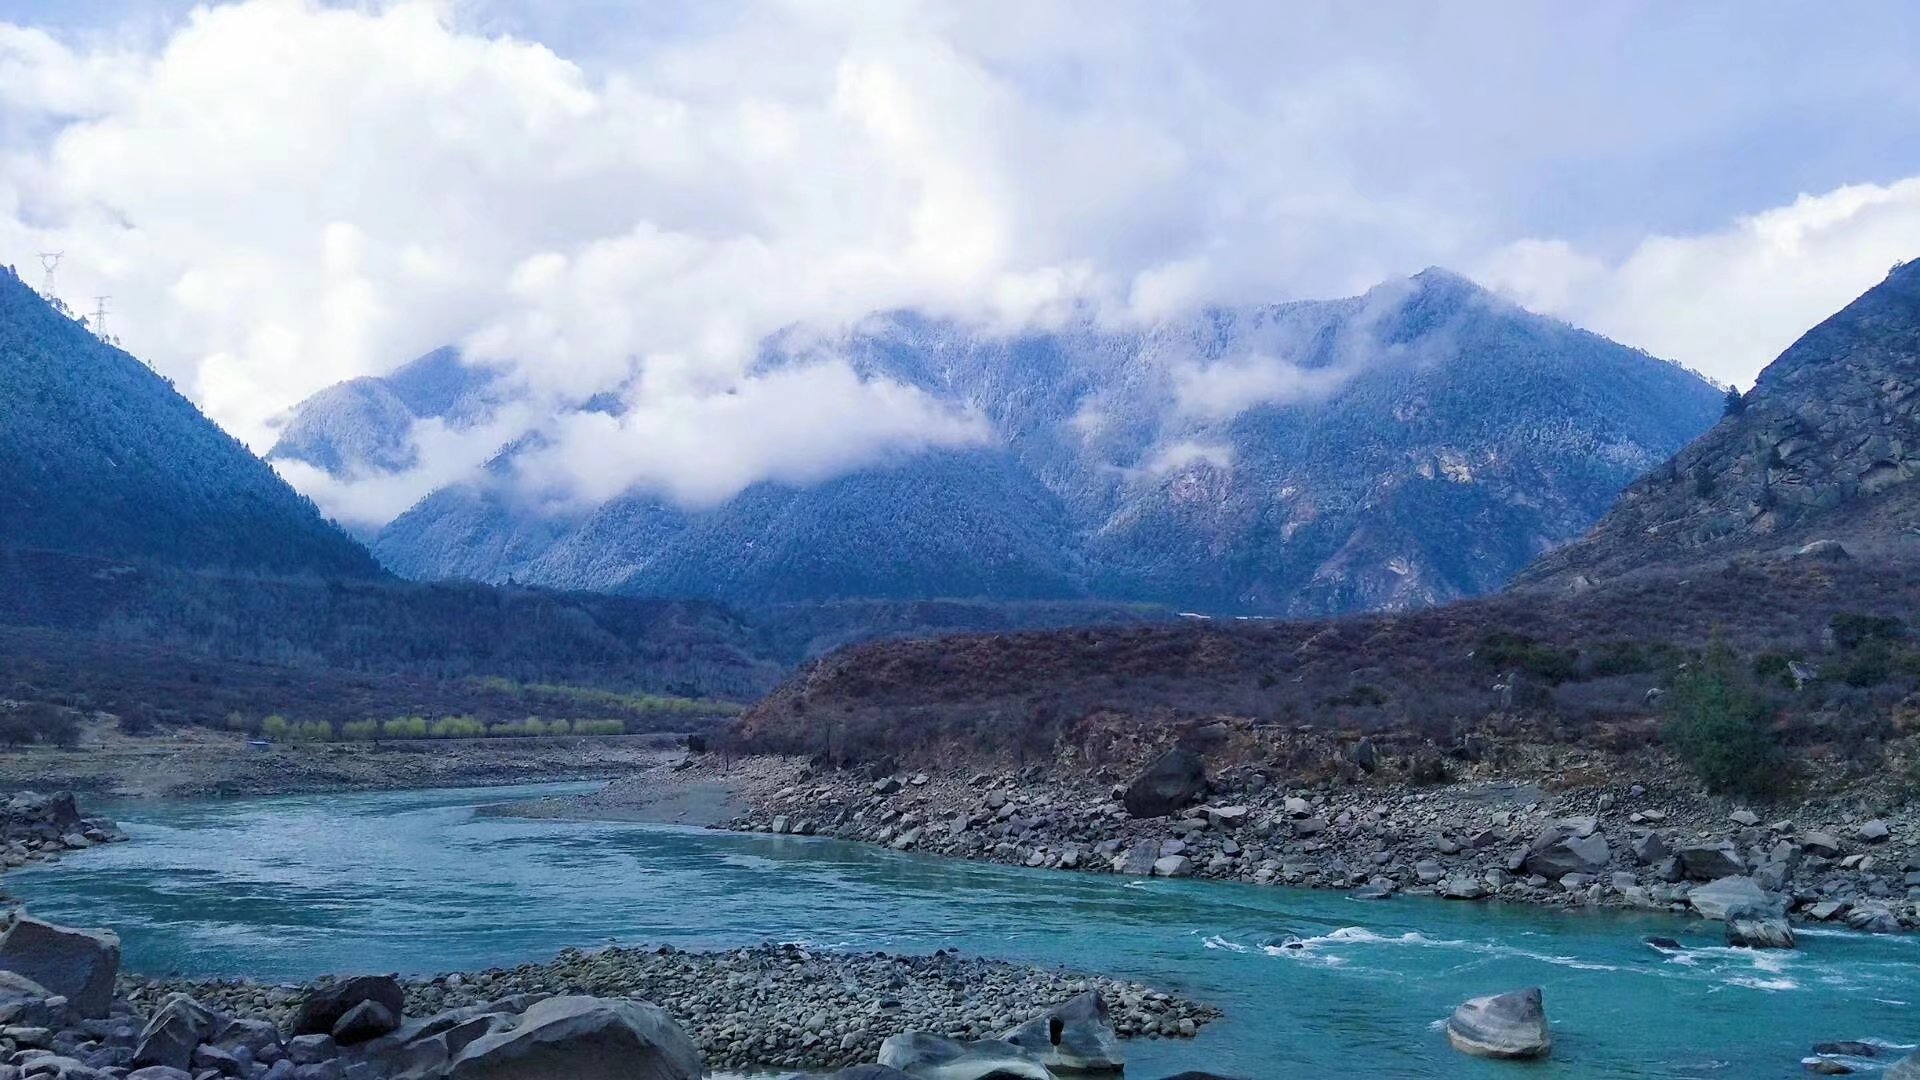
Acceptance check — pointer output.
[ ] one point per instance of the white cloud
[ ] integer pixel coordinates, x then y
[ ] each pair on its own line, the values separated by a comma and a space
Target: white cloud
1726, 302
1176, 457
797, 425
1229, 387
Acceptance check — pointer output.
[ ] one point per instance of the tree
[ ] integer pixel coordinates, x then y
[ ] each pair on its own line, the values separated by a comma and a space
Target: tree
1720, 726
1736, 402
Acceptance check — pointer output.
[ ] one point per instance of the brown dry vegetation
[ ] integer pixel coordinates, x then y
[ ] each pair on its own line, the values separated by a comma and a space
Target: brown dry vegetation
1579, 669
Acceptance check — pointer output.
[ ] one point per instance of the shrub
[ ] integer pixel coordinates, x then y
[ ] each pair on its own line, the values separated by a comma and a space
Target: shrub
275, 727
361, 730
1870, 664
1852, 630
1361, 696
1505, 650
406, 727
599, 727
1720, 726
136, 720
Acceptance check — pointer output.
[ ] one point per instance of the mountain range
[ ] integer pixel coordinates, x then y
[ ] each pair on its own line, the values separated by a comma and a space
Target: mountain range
1785, 534
1412, 445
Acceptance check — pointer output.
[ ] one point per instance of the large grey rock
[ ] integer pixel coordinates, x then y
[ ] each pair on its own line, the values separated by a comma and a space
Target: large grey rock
326, 1004
1758, 931
932, 1057
79, 965
179, 1025
1560, 851
159, 1072
365, 1021
1907, 1068
1175, 780
582, 1038
1076, 1035
1715, 899
1707, 861
1502, 1026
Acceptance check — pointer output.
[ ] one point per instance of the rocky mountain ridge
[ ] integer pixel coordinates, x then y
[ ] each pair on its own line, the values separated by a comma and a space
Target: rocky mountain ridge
1826, 446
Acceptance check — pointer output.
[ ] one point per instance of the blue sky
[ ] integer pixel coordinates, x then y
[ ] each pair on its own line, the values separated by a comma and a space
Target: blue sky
281, 194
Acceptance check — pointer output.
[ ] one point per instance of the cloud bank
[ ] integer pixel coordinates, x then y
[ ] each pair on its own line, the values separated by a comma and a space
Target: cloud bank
282, 194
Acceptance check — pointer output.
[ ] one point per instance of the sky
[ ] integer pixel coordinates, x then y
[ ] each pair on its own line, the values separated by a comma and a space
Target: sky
282, 194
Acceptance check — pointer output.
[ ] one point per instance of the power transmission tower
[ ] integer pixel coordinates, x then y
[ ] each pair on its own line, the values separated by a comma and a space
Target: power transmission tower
100, 316
50, 260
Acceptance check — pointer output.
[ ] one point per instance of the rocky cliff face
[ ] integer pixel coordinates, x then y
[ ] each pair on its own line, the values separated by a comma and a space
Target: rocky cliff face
1826, 446
1412, 445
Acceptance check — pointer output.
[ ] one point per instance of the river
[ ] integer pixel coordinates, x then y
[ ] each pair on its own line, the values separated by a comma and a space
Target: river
1314, 984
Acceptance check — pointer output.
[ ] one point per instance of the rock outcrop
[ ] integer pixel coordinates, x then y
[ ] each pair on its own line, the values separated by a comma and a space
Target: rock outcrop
1173, 782
1502, 1026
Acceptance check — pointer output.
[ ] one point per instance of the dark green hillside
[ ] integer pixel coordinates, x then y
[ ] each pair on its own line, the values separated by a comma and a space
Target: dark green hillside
100, 456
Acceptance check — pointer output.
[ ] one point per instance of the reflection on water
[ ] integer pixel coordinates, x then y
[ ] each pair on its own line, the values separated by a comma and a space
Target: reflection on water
1314, 984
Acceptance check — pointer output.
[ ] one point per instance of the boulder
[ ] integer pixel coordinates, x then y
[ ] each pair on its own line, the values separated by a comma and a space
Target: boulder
159, 1072
1075, 1036
582, 1038
1650, 849
1502, 1026
1138, 860
1173, 866
1907, 1068
170, 1036
1716, 899
1559, 851
365, 1021
1174, 781
932, 1057
1708, 861
1823, 844
1755, 930
326, 1004
1874, 832
79, 965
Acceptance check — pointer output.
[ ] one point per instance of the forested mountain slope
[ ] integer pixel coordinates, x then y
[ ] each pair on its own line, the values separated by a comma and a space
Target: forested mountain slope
100, 456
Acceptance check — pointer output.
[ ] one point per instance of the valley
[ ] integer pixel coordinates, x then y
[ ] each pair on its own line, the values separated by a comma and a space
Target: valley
1476, 652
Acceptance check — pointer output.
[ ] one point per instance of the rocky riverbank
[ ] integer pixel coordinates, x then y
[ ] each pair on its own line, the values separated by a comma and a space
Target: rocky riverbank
195, 762
1587, 835
36, 828
772, 1006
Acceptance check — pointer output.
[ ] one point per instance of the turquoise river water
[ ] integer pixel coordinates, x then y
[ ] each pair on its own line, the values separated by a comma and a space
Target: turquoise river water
291, 887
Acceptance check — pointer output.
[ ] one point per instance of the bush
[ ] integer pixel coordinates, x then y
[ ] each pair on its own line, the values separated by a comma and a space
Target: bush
1850, 631
1720, 726
361, 730
275, 727
1504, 650
136, 720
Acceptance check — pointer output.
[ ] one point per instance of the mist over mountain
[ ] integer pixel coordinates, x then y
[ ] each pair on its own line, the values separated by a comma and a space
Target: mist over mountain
100, 456
1418, 443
